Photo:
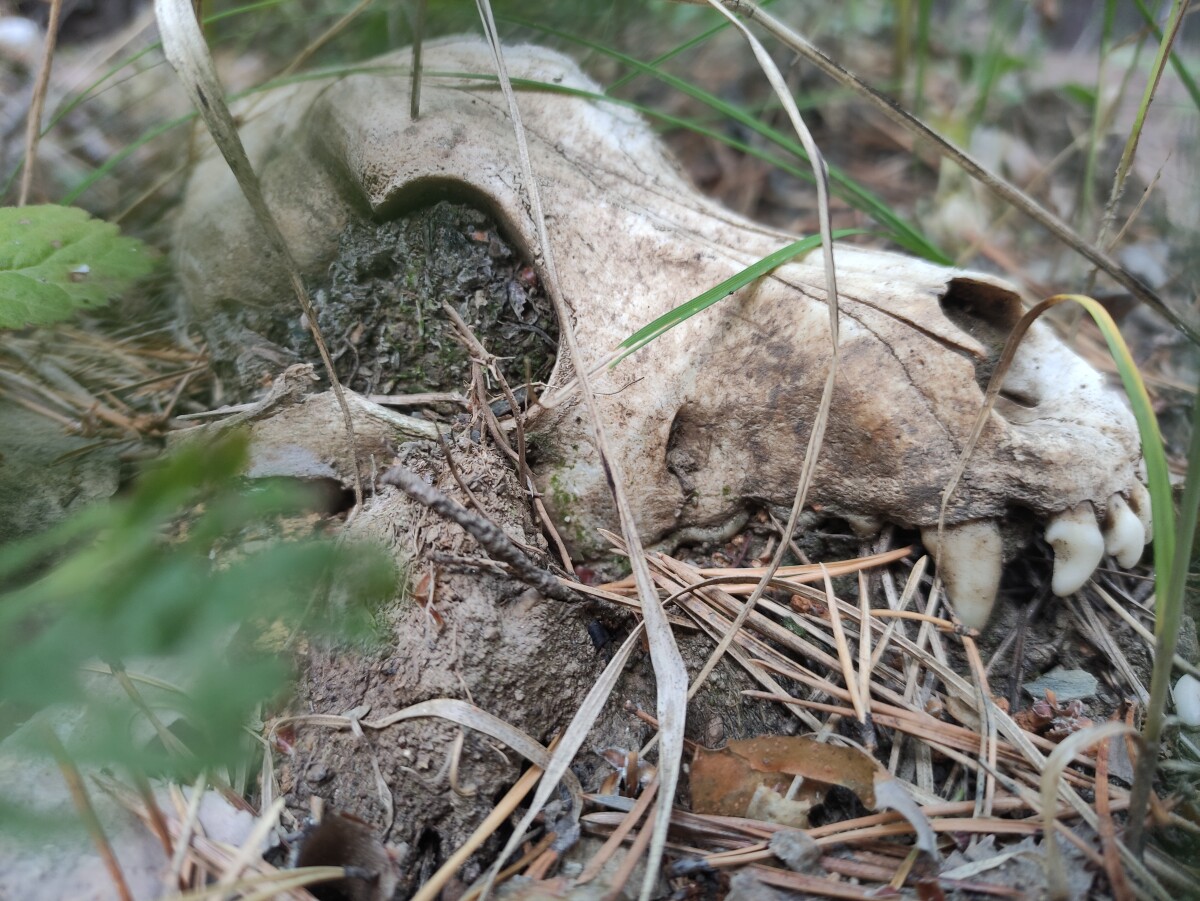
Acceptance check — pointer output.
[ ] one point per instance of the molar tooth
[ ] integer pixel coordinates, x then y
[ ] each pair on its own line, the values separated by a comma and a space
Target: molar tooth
968, 559
1124, 533
1139, 502
1078, 547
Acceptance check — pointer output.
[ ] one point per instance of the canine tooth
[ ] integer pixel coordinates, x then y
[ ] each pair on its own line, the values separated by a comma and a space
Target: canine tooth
1078, 548
1139, 502
968, 559
1124, 534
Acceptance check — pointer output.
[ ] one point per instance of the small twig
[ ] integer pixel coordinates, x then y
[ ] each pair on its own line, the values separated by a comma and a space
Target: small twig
1117, 882
458, 479
87, 812
487, 533
33, 123
414, 100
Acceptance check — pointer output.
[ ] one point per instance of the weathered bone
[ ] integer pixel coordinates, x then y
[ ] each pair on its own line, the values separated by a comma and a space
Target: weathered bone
714, 415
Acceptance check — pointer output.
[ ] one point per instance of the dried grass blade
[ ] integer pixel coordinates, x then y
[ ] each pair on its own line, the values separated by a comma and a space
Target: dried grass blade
669, 670
186, 51
821, 420
1056, 879
1186, 322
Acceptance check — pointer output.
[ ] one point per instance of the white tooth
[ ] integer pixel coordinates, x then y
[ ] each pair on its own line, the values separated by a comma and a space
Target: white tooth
1124, 534
1139, 502
1078, 548
865, 526
969, 560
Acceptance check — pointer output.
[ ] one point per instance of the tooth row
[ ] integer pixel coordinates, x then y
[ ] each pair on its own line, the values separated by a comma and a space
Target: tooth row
969, 555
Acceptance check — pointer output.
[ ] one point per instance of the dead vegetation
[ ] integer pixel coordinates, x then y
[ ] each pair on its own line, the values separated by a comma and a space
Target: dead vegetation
935, 704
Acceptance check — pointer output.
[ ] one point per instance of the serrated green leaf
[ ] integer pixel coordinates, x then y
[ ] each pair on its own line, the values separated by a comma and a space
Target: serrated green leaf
56, 260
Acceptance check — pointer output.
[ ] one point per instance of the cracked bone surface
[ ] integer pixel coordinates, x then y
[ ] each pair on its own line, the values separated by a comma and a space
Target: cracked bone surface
714, 415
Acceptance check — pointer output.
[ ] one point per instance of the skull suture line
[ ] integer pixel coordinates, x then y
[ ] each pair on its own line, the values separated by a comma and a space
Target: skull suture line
714, 415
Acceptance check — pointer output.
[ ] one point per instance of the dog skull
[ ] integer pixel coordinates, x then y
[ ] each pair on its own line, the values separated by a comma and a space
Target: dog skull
714, 415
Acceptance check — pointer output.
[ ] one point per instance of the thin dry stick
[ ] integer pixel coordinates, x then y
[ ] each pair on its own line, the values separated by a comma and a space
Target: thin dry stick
87, 813
864, 644
669, 670
1108, 832
487, 533
984, 799
33, 122
843, 652
1185, 322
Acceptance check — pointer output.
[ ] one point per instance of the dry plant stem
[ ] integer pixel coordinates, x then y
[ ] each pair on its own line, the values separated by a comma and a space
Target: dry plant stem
187, 830
1108, 833
1056, 880
33, 122
985, 791
843, 652
486, 532
87, 812
499, 815
1135, 132
601, 857
458, 479
997, 185
184, 47
670, 673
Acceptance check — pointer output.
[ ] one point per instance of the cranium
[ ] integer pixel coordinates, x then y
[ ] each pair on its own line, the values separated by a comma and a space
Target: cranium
714, 415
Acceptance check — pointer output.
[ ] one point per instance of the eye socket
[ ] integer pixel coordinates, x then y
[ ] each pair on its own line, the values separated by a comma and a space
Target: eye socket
988, 313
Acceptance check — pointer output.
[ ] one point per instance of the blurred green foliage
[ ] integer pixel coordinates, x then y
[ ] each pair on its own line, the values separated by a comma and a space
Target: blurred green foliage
187, 572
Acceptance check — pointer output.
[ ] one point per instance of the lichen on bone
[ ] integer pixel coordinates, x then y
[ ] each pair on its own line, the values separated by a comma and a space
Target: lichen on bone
714, 415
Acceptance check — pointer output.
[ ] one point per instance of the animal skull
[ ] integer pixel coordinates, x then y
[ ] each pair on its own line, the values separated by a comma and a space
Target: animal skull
715, 414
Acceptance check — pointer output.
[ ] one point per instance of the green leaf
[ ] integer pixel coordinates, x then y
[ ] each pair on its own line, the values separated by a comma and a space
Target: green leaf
686, 310
56, 260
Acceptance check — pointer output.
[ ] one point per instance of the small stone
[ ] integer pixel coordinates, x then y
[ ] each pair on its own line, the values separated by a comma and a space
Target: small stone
1187, 700
317, 773
1067, 684
796, 849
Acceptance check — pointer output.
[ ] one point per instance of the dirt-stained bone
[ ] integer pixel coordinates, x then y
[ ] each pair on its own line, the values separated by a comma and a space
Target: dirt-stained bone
715, 414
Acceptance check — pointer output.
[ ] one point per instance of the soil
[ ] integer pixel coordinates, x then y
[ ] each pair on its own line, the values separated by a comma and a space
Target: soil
484, 638
380, 311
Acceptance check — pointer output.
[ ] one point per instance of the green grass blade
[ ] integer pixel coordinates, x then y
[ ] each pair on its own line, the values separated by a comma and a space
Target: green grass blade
669, 320
899, 230
1176, 63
